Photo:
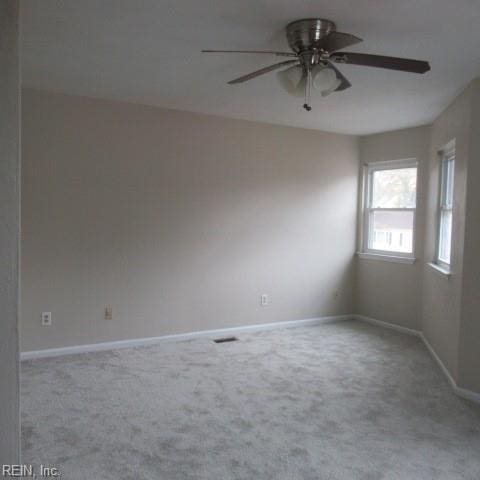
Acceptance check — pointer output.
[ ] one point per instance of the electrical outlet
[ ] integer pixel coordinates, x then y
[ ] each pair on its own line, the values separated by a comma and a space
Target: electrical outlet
46, 319
264, 300
108, 313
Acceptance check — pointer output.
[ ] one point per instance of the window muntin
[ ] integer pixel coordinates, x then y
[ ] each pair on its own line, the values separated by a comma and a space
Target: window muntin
390, 204
444, 242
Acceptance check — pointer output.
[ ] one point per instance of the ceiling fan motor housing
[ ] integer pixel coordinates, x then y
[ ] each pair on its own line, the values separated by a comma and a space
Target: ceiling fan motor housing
304, 35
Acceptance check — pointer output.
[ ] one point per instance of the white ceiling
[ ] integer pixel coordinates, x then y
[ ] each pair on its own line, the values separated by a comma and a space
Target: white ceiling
148, 51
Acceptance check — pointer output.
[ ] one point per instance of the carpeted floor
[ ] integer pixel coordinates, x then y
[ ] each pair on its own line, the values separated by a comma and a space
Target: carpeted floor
342, 401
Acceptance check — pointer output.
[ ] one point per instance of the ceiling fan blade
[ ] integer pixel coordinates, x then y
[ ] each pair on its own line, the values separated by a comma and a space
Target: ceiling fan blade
345, 83
271, 52
336, 41
262, 71
380, 61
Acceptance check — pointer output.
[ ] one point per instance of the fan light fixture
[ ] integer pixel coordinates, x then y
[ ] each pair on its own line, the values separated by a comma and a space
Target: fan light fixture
294, 80
325, 79
315, 45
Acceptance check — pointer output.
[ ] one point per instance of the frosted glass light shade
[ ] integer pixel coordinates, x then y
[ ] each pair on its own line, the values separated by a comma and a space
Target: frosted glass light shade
292, 80
325, 79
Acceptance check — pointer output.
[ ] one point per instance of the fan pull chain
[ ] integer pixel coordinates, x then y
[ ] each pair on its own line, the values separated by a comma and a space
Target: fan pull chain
308, 85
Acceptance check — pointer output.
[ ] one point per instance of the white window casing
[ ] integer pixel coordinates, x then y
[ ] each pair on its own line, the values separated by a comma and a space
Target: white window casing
396, 240
445, 209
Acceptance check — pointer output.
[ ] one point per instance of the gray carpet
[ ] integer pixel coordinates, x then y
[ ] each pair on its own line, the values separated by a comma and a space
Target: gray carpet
342, 401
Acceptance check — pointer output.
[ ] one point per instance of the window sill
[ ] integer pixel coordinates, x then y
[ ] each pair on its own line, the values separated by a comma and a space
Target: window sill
386, 258
440, 270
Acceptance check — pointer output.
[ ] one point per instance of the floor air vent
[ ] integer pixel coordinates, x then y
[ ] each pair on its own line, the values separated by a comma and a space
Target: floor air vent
225, 339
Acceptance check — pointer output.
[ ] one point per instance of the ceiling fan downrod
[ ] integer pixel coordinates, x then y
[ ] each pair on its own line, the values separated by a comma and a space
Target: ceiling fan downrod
308, 86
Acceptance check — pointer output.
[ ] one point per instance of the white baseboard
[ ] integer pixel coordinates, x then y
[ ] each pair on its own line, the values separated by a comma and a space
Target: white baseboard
442, 366
56, 352
461, 392
95, 347
467, 394
391, 326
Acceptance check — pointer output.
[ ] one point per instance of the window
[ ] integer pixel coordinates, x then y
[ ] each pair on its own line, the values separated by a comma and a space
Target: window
444, 242
389, 208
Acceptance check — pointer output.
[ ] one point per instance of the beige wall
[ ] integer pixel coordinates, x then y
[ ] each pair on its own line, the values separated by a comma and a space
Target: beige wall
469, 345
392, 291
9, 229
178, 221
441, 296
446, 309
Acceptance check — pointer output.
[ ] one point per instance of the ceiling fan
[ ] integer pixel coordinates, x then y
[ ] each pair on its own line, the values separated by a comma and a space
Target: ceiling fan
315, 45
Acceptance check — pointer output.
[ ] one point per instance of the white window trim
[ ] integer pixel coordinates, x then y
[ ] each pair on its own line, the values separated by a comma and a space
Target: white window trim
445, 154
365, 251
386, 258
444, 272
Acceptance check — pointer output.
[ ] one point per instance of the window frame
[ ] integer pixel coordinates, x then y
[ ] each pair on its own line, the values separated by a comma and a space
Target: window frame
446, 155
367, 224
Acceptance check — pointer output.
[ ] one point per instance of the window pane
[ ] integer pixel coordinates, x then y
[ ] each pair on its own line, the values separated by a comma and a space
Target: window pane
445, 240
392, 231
449, 166
394, 188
